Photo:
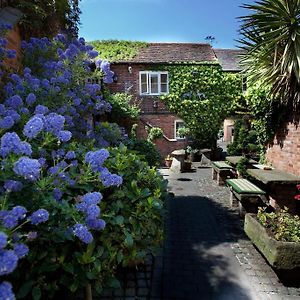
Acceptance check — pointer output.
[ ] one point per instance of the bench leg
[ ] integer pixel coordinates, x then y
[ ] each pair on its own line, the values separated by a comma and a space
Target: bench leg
242, 210
214, 174
234, 202
220, 179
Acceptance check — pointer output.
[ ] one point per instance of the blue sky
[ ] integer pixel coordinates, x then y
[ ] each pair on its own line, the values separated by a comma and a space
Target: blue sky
162, 20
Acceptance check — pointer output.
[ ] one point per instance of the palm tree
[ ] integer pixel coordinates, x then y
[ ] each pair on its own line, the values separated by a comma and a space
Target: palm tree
271, 44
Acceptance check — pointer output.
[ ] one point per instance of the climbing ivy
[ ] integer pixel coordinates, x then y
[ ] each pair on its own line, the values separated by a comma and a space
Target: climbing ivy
263, 115
114, 50
203, 96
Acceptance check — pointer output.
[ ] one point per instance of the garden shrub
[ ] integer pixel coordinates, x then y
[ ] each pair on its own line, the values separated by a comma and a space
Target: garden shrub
59, 224
154, 133
147, 150
122, 107
137, 206
245, 139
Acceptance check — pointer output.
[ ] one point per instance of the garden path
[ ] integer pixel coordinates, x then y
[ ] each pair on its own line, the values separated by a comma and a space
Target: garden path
206, 254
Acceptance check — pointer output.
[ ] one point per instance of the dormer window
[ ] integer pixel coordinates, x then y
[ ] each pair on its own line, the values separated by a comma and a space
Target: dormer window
154, 83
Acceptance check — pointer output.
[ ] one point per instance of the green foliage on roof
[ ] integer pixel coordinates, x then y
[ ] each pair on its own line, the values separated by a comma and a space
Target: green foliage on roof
114, 50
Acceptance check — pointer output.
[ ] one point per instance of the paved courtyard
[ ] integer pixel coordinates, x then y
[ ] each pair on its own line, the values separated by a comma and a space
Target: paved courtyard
206, 254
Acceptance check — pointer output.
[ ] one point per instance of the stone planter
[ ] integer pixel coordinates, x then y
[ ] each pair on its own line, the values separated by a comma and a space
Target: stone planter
187, 166
280, 255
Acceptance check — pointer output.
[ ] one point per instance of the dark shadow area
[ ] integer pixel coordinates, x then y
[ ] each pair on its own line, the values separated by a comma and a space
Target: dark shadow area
195, 263
289, 278
189, 171
184, 179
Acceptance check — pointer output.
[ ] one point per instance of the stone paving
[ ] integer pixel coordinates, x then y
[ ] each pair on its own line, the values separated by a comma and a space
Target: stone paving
206, 254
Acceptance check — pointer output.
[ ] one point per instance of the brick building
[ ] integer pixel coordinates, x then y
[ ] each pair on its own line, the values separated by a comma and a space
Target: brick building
143, 77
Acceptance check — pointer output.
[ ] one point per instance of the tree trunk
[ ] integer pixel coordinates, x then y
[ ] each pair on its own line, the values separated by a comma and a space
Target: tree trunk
88, 292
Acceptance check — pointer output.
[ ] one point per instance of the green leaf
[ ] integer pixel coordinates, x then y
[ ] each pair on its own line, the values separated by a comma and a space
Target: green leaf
128, 240
25, 289
36, 293
120, 256
119, 220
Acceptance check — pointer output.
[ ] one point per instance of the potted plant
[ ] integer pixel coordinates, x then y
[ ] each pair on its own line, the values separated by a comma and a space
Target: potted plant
277, 237
168, 161
191, 152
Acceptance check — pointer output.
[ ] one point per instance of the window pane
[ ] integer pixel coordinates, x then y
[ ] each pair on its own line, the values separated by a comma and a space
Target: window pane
179, 125
164, 88
164, 78
144, 83
154, 84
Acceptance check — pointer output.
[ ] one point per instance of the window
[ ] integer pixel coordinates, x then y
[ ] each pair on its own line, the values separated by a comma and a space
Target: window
178, 124
154, 83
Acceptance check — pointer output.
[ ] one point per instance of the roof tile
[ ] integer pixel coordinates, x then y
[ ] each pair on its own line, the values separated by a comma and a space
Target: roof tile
229, 59
174, 53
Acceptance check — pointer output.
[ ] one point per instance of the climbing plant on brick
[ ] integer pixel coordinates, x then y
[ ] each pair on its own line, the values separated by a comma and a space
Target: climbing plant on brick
203, 96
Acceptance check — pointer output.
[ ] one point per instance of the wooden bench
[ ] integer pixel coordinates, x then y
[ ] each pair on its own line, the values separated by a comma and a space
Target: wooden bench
245, 195
221, 171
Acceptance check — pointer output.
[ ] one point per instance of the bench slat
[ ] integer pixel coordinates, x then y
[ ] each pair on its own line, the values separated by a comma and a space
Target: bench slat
244, 186
221, 165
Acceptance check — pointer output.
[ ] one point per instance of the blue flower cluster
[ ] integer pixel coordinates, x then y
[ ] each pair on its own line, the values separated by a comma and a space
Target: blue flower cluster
89, 206
11, 143
96, 158
28, 168
34, 148
6, 291
9, 257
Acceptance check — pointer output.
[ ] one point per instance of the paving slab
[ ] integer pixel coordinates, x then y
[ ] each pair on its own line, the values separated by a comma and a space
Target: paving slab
206, 254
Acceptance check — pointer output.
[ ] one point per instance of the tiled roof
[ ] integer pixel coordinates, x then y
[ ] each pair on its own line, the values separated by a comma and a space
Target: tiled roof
174, 53
229, 59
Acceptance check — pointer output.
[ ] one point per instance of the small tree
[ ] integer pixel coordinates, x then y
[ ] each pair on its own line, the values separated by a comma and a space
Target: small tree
271, 40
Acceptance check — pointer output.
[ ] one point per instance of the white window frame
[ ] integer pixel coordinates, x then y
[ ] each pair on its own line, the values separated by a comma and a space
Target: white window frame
148, 74
175, 130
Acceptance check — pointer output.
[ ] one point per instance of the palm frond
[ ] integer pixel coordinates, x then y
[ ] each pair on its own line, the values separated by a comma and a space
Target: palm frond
271, 44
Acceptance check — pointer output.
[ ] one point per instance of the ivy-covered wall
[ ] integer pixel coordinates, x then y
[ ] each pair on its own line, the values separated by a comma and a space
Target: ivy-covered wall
203, 96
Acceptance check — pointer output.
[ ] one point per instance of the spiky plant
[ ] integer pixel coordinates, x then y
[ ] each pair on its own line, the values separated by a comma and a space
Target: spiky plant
271, 41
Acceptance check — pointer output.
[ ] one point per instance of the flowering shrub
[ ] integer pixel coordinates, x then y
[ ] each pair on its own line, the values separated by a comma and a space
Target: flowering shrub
59, 186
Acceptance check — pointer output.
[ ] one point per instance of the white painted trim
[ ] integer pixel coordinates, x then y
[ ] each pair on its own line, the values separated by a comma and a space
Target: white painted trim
148, 73
175, 136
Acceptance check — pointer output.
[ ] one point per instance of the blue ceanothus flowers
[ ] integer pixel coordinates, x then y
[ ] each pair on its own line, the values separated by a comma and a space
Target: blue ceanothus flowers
45, 111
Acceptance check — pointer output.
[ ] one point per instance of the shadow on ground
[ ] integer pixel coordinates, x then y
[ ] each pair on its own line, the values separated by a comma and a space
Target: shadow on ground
198, 263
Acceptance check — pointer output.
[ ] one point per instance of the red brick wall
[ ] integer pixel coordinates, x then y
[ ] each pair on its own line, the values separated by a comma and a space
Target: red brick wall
166, 122
130, 82
153, 111
284, 154
14, 42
